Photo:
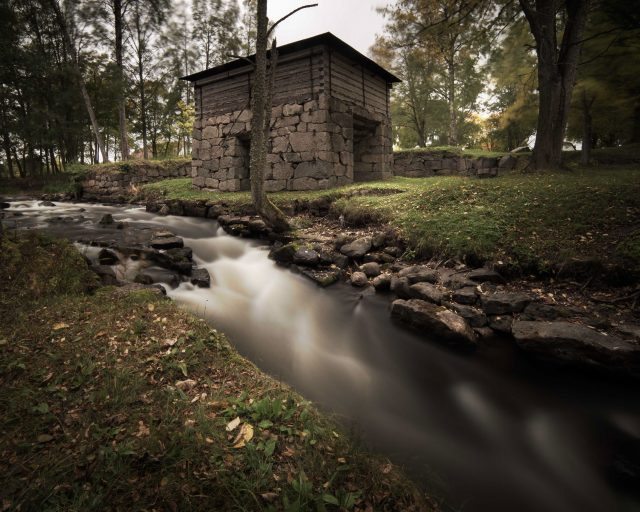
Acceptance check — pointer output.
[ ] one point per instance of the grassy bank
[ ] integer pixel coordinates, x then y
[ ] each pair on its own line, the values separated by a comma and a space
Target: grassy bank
532, 221
116, 400
133, 165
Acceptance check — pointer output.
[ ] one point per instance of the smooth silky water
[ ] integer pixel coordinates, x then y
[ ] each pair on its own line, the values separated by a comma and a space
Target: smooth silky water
488, 432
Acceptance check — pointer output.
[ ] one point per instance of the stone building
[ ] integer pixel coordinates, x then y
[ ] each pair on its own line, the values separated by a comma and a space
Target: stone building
330, 122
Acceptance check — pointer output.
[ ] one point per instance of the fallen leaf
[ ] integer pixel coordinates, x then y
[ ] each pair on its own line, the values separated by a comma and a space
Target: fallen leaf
143, 430
233, 424
59, 325
185, 385
44, 438
269, 496
244, 436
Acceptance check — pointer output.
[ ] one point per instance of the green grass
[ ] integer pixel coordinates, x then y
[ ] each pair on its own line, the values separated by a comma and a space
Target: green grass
132, 165
455, 150
530, 221
181, 188
625, 155
33, 265
96, 413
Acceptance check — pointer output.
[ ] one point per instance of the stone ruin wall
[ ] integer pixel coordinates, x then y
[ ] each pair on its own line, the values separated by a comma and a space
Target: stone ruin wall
112, 183
422, 164
311, 146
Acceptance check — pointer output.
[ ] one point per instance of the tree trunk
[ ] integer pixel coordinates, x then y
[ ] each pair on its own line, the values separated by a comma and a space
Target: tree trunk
21, 171
451, 101
557, 68
54, 164
635, 134
587, 129
7, 151
76, 68
260, 126
6, 138
122, 116
143, 103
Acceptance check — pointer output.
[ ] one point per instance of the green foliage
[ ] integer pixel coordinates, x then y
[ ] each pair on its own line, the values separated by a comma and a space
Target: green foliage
514, 107
216, 31
607, 90
434, 47
528, 221
455, 150
33, 266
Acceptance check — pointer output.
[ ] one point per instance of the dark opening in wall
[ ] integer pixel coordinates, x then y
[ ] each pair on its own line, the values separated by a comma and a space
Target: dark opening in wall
364, 160
244, 146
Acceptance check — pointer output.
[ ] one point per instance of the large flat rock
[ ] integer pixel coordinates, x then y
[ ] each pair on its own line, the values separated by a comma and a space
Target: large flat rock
357, 249
577, 344
435, 321
502, 303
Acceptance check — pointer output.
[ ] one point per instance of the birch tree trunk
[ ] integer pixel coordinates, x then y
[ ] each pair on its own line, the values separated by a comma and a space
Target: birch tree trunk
118, 14
260, 127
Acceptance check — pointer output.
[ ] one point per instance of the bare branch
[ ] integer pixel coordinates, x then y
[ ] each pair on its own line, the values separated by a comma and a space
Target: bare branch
240, 57
290, 14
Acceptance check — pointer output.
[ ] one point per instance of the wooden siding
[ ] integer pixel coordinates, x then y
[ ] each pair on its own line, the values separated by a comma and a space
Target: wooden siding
353, 83
298, 77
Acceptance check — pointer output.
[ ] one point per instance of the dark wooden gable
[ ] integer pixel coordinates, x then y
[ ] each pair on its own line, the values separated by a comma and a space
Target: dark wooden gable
305, 68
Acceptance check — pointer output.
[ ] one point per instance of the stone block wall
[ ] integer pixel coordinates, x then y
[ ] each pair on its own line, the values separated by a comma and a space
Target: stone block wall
421, 164
118, 179
311, 146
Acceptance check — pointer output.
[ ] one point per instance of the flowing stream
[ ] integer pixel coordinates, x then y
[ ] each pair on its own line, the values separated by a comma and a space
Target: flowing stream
488, 431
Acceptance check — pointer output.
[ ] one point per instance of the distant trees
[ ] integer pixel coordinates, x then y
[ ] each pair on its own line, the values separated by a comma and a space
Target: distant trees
605, 110
509, 67
214, 22
435, 47
513, 91
127, 54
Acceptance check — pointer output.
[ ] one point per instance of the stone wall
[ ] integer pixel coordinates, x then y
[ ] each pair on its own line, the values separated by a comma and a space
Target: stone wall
420, 164
315, 144
119, 179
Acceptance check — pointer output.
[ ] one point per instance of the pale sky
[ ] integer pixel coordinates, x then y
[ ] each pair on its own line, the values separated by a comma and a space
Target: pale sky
356, 22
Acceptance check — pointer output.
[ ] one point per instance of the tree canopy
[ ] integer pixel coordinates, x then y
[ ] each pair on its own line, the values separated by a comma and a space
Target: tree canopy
472, 73
129, 55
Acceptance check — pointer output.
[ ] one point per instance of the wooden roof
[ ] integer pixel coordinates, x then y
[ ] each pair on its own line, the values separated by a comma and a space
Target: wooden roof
322, 39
